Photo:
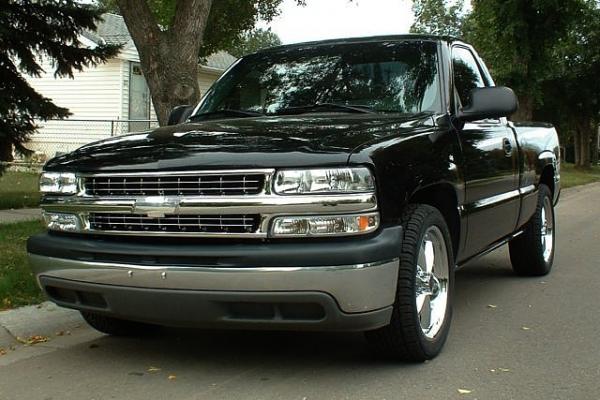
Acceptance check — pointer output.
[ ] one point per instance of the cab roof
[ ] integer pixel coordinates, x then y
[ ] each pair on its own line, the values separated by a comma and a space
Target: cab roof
369, 39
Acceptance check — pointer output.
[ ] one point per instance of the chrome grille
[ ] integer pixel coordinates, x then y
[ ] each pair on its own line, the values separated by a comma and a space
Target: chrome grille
175, 185
174, 223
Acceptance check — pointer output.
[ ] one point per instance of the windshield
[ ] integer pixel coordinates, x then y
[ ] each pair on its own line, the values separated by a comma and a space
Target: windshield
398, 77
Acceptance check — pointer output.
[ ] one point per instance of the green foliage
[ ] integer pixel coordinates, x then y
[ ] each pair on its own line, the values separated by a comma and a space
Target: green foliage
518, 39
28, 30
230, 24
253, 41
438, 17
17, 284
571, 176
19, 190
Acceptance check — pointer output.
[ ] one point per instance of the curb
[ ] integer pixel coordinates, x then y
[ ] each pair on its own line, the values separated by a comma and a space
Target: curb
20, 215
36, 324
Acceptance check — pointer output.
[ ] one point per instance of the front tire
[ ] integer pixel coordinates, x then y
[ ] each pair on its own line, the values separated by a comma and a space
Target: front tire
532, 252
423, 308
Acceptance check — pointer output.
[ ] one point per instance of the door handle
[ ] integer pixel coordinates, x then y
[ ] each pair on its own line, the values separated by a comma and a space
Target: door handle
508, 148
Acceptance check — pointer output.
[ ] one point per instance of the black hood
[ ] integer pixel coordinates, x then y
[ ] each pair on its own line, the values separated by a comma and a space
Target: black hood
262, 142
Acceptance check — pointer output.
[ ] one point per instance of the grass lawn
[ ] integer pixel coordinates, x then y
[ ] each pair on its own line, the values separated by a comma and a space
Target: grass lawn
17, 285
19, 190
569, 176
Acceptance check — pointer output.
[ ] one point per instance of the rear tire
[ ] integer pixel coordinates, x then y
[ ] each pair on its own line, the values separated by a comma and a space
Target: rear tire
532, 252
423, 308
117, 327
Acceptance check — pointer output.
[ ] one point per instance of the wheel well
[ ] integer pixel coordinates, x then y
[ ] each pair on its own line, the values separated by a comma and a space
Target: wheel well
547, 177
442, 197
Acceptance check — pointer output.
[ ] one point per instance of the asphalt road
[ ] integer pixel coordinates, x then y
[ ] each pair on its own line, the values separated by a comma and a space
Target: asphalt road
512, 338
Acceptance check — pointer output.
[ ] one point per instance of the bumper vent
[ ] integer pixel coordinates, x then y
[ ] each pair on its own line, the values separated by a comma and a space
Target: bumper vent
113, 222
175, 185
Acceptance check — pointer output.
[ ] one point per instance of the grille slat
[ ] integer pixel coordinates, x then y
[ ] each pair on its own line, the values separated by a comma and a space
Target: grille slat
174, 223
175, 185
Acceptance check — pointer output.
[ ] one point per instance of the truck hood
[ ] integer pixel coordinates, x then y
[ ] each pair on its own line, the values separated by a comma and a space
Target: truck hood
263, 142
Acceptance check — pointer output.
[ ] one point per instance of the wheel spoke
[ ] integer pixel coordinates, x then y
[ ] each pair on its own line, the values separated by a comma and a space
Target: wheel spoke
420, 302
425, 314
431, 282
429, 255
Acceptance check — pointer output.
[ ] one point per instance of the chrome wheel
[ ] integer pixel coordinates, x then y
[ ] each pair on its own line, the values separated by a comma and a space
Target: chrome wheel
547, 229
431, 283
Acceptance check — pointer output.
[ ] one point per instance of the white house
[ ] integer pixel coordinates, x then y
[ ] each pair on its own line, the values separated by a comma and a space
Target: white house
107, 99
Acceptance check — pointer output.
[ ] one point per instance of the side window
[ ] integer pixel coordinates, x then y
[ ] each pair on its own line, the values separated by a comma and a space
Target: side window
467, 75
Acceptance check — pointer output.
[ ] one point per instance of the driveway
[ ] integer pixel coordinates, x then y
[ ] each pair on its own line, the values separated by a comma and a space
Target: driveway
512, 338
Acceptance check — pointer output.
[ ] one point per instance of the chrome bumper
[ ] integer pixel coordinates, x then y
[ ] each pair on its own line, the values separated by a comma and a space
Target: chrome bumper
355, 288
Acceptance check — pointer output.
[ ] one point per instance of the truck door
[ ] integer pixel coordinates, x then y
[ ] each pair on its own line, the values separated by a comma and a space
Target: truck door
490, 163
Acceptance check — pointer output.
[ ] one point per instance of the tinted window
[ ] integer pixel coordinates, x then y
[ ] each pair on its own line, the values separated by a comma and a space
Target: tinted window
466, 74
387, 76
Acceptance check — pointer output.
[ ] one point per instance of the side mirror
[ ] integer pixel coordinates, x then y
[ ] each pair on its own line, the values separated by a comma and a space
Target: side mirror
179, 114
489, 102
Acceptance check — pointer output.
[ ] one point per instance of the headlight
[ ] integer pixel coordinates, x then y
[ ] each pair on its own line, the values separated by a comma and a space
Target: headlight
61, 222
325, 181
331, 225
58, 183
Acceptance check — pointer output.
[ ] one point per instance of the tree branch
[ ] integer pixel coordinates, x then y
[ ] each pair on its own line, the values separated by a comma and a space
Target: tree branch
141, 23
190, 20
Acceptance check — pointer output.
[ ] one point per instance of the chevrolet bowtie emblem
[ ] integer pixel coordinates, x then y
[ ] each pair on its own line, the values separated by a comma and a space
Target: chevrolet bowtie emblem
156, 206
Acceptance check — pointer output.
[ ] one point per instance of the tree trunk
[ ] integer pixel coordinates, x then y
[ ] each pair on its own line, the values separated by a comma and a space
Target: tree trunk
525, 111
577, 146
595, 132
169, 58
6, 151
172, 80
583, 129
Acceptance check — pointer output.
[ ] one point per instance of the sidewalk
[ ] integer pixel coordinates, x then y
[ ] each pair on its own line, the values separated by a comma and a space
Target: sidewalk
46, 319
23, 214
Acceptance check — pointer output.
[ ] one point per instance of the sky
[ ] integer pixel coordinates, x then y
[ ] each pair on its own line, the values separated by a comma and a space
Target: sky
330, 19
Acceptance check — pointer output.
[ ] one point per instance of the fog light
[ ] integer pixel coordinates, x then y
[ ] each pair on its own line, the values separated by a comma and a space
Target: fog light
330, 225
62, 222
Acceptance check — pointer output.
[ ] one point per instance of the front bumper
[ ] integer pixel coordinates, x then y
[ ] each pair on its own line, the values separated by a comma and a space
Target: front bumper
257, 287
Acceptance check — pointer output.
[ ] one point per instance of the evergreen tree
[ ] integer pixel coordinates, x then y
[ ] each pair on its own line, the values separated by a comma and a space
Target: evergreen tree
30, 30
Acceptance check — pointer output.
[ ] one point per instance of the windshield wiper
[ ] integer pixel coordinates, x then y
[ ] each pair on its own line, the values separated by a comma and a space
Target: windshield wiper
326, 106
227, 112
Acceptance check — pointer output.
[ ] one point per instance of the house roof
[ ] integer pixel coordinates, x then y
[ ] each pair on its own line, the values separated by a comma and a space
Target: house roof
112, 30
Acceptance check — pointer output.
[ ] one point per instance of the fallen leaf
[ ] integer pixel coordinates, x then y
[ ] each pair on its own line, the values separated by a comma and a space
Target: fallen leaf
153, 369
35, 339
2, 351
464, 391
172, 377
492, 306
526, 328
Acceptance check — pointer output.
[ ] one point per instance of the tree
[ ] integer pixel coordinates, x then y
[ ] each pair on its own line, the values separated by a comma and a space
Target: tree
572, 97
253, 41
438, 17
172, 35
518, 39
29, 30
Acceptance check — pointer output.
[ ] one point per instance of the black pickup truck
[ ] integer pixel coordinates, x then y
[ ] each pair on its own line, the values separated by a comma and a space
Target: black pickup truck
331, 185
